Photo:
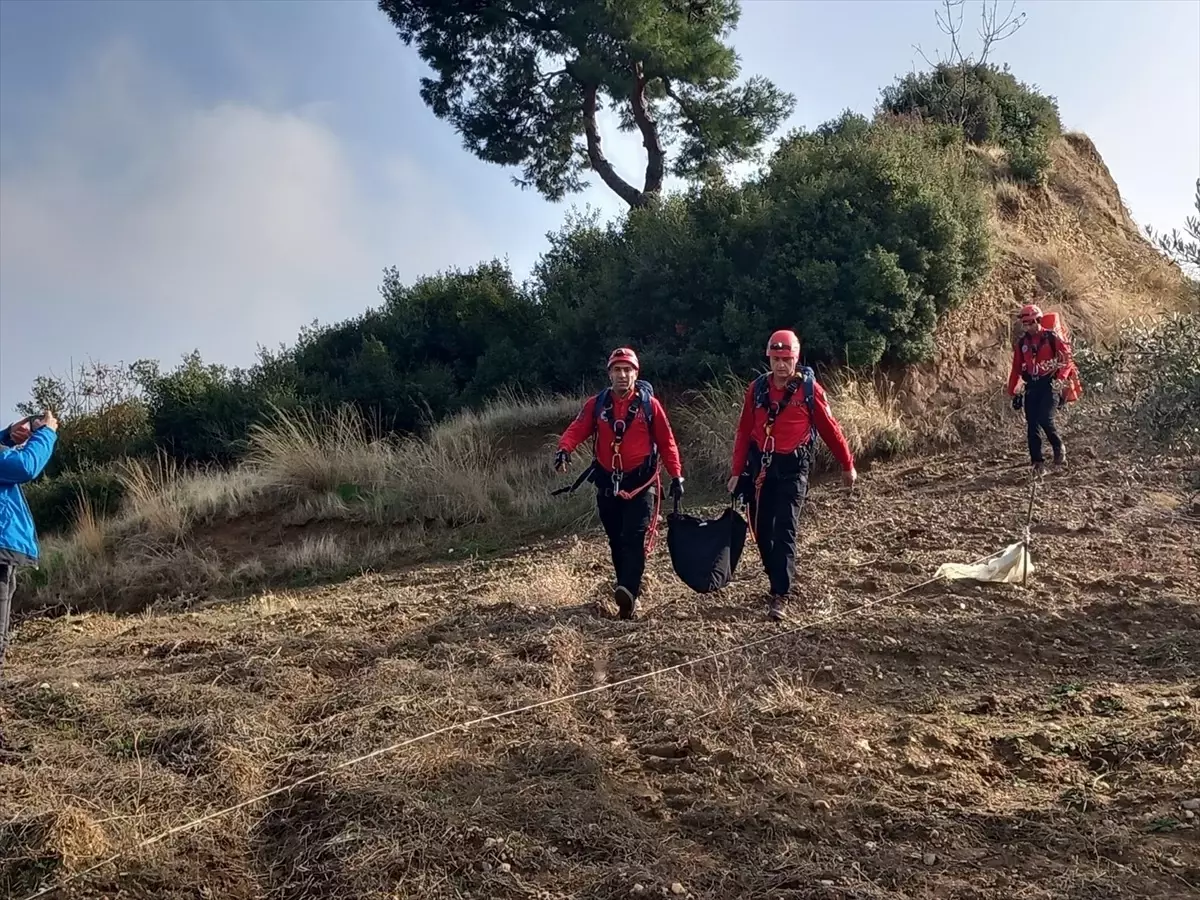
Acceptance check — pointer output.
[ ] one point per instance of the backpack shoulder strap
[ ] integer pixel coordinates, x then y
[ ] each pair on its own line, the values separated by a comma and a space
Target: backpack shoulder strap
603, 403
762, 396
809, 377
646, 392
810, 400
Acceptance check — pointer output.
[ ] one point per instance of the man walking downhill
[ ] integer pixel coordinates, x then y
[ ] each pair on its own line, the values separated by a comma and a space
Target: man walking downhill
782, 414
631, 429
25, 448
1039, 356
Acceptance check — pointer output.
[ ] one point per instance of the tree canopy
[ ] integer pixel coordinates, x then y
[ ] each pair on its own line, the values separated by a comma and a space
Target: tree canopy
523, 80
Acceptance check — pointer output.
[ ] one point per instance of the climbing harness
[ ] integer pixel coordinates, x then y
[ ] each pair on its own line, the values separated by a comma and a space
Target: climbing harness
804, 378
603, 411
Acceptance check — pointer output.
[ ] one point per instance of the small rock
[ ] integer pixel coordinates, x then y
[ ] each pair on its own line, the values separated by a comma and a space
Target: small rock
863, 745
825, 883
638, 888
1042, 741
820, 804
505, 867
678, 889
871, 845
664, 751
929, 859
1188, 814
1191, 804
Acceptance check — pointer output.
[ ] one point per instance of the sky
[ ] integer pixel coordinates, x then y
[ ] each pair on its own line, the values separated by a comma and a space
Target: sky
213, 175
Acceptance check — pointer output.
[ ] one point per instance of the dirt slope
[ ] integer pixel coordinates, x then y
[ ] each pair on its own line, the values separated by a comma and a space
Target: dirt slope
960, 742
1069, 245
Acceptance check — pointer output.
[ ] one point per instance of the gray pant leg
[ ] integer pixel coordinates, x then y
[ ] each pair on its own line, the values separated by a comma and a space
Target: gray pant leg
8, 587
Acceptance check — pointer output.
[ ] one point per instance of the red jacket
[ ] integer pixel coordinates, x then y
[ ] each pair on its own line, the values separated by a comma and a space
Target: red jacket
1038, 355
635, 446
791, 427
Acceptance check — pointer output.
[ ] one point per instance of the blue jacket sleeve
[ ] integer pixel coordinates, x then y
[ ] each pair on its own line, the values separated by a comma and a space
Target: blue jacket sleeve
27, 463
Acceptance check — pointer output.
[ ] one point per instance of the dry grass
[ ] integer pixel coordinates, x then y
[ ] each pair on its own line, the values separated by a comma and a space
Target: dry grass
183, 534
1009, 197
903, 751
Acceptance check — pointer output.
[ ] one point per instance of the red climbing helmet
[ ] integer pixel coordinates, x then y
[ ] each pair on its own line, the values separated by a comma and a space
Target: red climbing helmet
1030, 313
783, 345
623, 355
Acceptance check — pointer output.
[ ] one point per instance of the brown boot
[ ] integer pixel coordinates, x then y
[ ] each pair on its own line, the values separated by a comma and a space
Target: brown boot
775, 606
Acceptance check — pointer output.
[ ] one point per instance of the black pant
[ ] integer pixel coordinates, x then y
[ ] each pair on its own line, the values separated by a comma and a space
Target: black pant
626, 523
775, 515
8, 587
1039, 416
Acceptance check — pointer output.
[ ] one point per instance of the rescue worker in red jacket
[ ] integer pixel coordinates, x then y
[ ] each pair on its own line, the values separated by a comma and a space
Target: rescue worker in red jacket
1039, 357
782, 414
631, 430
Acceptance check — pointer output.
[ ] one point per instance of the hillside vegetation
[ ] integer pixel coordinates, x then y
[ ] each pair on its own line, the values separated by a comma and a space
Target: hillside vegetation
339, 555
897, 250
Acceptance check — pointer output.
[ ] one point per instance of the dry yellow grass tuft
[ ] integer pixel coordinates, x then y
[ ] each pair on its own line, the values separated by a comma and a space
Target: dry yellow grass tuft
184, 533
1009, 197
868, 408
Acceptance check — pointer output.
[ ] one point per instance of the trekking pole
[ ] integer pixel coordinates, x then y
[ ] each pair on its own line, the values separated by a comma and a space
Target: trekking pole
1033, 480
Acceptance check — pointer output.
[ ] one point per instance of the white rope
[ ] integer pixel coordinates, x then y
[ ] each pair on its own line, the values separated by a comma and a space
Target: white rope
464, 726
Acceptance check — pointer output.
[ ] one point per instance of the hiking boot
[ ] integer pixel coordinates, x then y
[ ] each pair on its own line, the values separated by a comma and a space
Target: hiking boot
623, 597
1039, 468
1060, 458
775, 605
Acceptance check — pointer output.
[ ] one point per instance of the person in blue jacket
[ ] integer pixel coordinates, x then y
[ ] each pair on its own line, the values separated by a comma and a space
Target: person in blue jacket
25, 448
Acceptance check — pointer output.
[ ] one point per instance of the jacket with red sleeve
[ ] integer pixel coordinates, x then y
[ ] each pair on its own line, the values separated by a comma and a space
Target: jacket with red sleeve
792, 427
1041, 355
638, 442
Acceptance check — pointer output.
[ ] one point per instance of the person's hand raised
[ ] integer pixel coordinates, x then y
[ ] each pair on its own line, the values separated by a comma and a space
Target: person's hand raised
18, 432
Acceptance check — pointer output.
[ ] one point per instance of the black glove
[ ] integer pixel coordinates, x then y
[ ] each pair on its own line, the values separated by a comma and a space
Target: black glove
676, 487
562, 460
1018, 400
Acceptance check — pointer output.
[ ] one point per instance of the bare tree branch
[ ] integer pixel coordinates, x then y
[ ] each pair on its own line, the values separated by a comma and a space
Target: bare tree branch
655, 156
599, 162
992, 31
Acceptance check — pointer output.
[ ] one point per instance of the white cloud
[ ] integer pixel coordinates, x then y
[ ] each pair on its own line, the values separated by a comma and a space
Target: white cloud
138, 223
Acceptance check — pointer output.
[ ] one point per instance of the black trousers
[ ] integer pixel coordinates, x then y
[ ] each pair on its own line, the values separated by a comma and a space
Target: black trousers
775, 515
1040, 404
626, 523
